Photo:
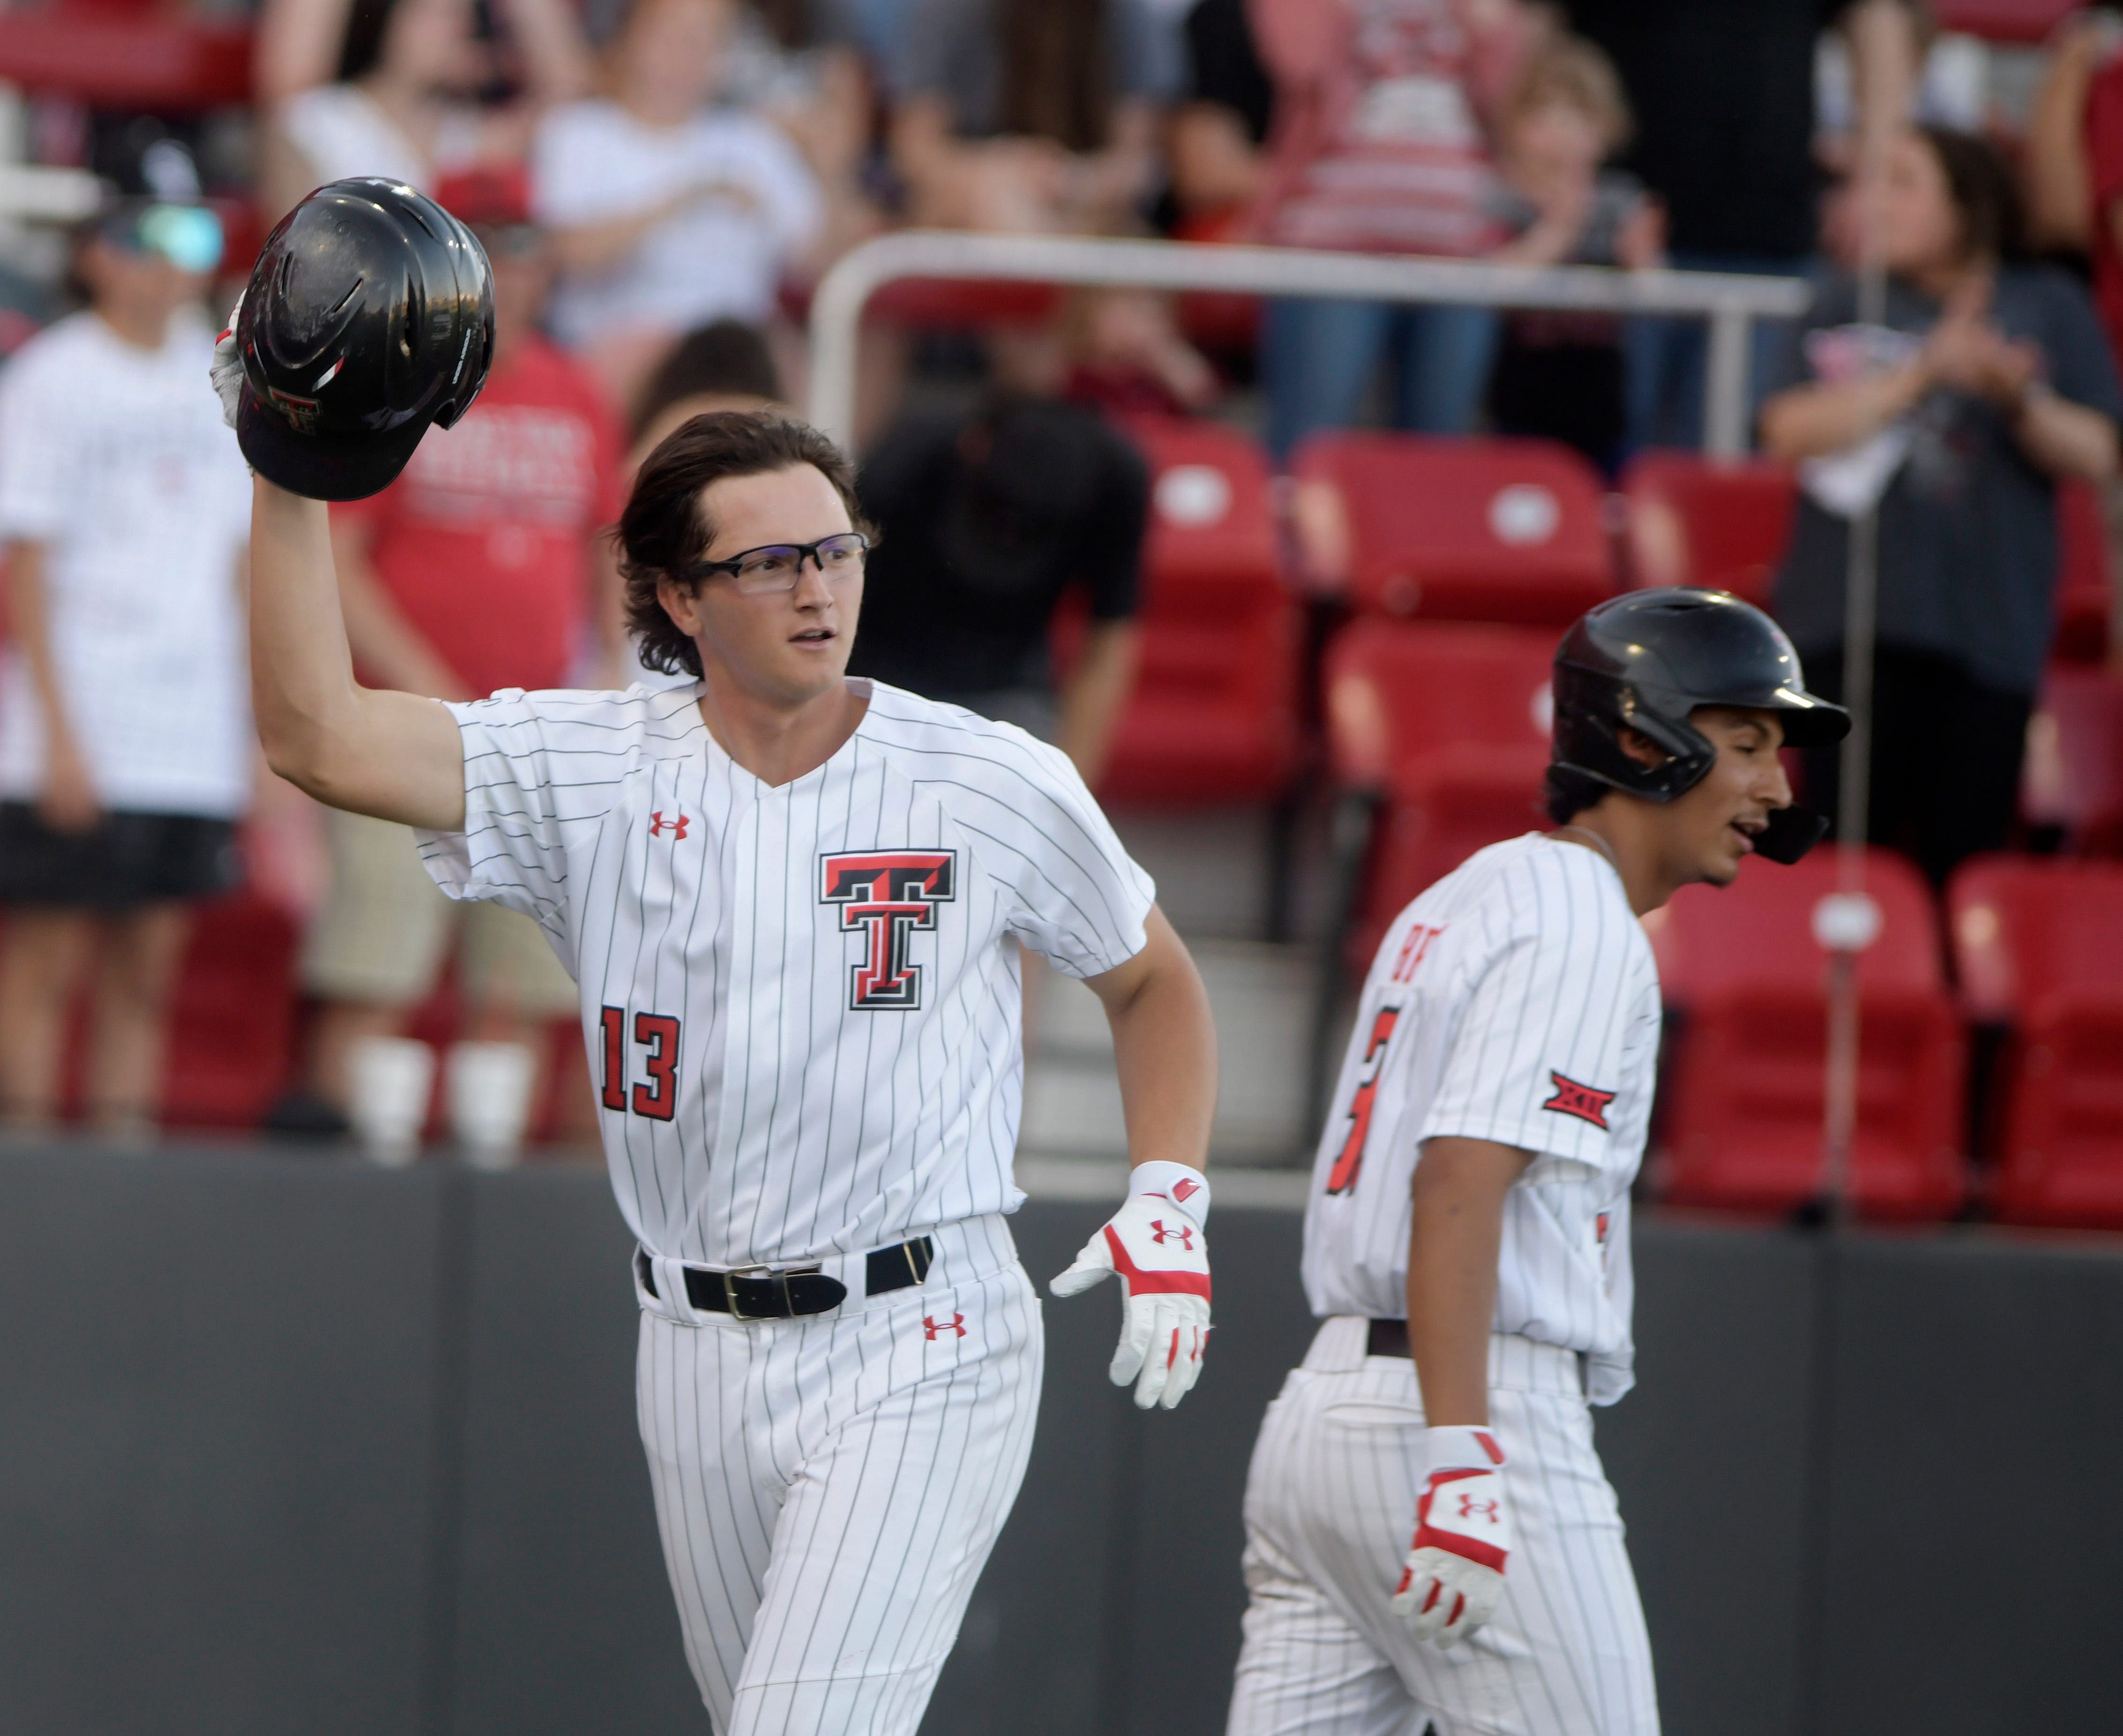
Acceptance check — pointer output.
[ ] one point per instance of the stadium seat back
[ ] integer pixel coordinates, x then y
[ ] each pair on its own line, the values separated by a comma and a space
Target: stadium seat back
2072, 778
1463, 530
1213, 532
2027, 928
2083, 578
1746, 1084
232, 1015
1449, 722
2039, 948
1213, 716
1407, 688
1692, 521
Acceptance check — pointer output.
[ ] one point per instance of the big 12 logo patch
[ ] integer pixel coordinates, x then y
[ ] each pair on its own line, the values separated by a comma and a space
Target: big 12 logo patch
888, 896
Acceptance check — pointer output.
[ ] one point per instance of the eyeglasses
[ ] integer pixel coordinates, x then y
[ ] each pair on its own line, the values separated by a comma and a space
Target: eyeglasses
777, 566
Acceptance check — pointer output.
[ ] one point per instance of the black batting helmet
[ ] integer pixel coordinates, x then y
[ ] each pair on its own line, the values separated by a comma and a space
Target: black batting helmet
369, 314
1646, 661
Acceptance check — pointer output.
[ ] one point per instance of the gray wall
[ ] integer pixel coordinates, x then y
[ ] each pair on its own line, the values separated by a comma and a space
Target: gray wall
290, 1445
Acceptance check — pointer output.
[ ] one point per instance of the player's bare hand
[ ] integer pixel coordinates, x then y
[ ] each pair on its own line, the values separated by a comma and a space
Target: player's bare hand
67, 802
1156, 1246
1453, 1576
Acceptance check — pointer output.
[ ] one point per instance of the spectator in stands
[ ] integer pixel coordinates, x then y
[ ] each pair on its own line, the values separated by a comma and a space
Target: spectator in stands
125, 755
1030, 115
1123, 352
666, 212
1722, 91
1219, 133
984, 521
392, 87
725, 365
796, 63
1559, 375
1381, 147
481, 568
1988, 380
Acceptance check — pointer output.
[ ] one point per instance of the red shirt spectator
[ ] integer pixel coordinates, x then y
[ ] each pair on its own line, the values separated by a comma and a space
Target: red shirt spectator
485, 542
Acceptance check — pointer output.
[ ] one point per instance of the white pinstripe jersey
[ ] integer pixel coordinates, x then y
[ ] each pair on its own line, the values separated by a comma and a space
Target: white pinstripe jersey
801, 1004
1515, 1000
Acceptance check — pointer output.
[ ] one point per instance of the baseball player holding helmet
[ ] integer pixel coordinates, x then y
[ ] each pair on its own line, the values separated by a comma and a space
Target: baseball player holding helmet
794, 903
1429, 1537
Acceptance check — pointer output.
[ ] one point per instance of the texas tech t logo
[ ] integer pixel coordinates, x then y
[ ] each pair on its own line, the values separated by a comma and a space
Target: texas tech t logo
888, 894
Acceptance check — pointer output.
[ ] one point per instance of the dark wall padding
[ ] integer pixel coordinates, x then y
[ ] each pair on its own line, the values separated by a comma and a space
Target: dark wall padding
289, 1445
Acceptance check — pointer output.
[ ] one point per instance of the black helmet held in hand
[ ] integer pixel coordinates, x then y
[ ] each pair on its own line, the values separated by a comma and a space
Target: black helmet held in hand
1645, 662
369, 314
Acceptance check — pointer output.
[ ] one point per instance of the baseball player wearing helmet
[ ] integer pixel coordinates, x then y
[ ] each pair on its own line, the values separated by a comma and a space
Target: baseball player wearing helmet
1430, 1539
794, 903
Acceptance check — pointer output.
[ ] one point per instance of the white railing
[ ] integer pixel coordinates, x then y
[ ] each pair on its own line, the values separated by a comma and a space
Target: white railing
1730, 303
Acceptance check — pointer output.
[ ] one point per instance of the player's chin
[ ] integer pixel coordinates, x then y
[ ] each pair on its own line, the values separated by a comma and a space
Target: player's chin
1719, 864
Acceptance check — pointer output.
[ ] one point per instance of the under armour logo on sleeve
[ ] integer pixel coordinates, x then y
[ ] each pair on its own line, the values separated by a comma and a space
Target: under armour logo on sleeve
931, 1326
658, 824
1587, 1102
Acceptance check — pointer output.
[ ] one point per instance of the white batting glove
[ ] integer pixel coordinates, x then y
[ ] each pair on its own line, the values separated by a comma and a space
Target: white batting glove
1153, 1244
1454, 1573
226, 370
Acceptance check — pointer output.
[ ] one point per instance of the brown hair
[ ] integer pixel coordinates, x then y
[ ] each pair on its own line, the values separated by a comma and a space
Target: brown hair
665, 528
1057, 71
1577, 74
1984, 196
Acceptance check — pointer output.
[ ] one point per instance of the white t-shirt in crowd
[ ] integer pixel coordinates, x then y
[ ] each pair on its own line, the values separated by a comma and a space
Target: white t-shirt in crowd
591, 161
116, 460
1516, 1001
341, 132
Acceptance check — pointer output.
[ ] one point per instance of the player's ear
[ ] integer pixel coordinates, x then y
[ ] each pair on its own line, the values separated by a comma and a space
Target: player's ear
681, 599
1640, 747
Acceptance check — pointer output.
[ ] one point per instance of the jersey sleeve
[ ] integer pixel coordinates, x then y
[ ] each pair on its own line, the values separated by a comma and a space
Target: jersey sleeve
1536, 1059
511, 849
1076, 897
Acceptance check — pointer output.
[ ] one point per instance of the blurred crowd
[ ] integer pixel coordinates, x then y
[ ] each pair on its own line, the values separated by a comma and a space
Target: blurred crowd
659, 185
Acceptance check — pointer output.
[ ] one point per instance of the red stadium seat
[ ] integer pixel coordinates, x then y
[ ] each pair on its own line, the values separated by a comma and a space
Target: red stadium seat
232, 1020
2040, 948
2083, 578
1213, 717
2002, 20
1745, 1073
1448, 723
128, 56
2073, 777
1692, 521
1454, 530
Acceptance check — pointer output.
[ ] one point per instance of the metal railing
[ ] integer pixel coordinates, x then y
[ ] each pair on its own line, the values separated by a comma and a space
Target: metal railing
1730, 303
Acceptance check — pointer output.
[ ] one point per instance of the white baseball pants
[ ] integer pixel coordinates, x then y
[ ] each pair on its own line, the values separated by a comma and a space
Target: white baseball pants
1330, 1505
828, 1488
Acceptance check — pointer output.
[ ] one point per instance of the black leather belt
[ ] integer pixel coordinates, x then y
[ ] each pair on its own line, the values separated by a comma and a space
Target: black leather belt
1388, 1338
785, 1292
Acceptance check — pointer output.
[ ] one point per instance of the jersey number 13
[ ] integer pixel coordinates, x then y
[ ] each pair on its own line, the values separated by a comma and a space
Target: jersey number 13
656, 1033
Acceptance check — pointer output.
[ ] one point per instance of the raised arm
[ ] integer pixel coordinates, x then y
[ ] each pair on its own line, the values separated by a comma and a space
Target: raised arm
392, 755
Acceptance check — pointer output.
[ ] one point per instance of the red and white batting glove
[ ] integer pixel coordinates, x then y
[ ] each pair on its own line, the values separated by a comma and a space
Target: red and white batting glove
226, 370
1454, 1573
1154, 1245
